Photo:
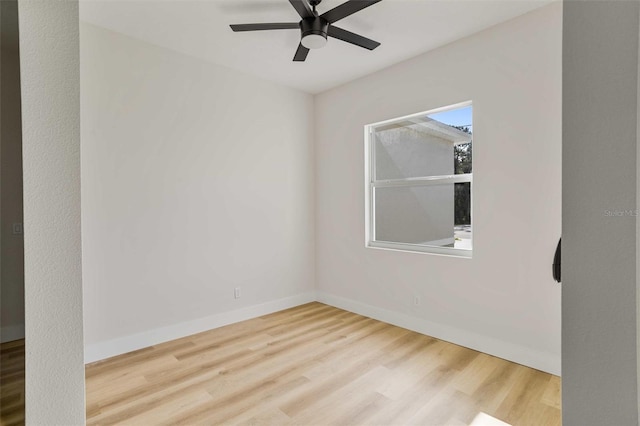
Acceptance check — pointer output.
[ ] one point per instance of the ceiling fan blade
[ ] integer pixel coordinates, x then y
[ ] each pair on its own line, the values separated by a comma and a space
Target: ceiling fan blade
346, 9
301, 53
303, 8
353, 38
269, 26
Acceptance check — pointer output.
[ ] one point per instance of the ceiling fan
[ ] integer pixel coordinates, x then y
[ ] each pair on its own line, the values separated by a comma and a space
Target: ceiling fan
315, 28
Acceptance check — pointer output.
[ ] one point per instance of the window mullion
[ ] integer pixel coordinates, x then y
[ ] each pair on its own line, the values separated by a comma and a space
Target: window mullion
424, 181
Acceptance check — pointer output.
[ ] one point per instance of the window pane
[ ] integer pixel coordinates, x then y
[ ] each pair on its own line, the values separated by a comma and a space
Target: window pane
434, 145
462, 215
432, 215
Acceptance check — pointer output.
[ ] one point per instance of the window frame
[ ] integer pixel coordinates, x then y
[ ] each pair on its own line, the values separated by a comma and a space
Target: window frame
371, 184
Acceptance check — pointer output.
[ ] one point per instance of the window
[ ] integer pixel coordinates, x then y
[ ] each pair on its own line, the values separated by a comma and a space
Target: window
419, 182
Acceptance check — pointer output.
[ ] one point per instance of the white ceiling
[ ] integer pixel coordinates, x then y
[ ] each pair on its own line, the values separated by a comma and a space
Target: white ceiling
200, 28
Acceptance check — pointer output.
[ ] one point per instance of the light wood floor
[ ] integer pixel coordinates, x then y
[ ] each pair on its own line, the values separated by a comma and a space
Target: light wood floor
315, 365
12, 383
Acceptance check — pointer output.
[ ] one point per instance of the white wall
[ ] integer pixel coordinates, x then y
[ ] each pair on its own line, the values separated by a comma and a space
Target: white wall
599, 144
504, 300
638, 228
49, 62
11, 245
196, 180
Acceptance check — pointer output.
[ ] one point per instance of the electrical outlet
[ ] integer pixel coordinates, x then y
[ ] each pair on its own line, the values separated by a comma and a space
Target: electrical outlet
416, 300
236, 293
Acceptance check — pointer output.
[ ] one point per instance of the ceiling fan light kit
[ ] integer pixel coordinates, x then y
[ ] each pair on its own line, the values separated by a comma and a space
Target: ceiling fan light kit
315, 28
314, 32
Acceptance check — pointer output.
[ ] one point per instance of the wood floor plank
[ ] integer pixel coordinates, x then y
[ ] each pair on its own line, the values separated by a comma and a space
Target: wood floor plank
12, 383
273, 417
315, 365
552, 394
475, 374
496, 386
524, 396
163, 415
355, 395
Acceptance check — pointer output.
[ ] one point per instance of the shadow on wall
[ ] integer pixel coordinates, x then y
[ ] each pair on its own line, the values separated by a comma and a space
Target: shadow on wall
11, 233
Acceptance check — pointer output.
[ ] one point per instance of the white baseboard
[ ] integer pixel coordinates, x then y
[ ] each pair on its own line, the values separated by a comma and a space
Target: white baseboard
98, 351
543, 361
11, 332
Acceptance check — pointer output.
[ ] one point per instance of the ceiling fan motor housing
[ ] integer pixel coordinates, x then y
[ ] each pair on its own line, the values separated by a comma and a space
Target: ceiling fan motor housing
314, 32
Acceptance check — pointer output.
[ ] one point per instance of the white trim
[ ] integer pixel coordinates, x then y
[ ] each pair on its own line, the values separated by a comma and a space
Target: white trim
421, 181
543, 361
419, 248
9, 333
439, 243
101, 350
420, 114
369, 211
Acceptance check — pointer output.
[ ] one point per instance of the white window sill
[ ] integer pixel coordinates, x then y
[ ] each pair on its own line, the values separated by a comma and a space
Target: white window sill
417, 248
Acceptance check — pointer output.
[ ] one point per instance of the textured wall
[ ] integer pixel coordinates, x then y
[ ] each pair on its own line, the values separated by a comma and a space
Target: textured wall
196, 179
600, 71
49, 46
504, 301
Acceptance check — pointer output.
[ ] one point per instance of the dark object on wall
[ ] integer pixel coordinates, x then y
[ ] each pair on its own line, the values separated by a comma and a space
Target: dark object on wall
315, 28
556, 262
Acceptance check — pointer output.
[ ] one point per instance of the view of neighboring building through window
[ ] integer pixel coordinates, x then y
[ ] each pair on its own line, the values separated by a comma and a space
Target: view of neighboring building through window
419, 182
